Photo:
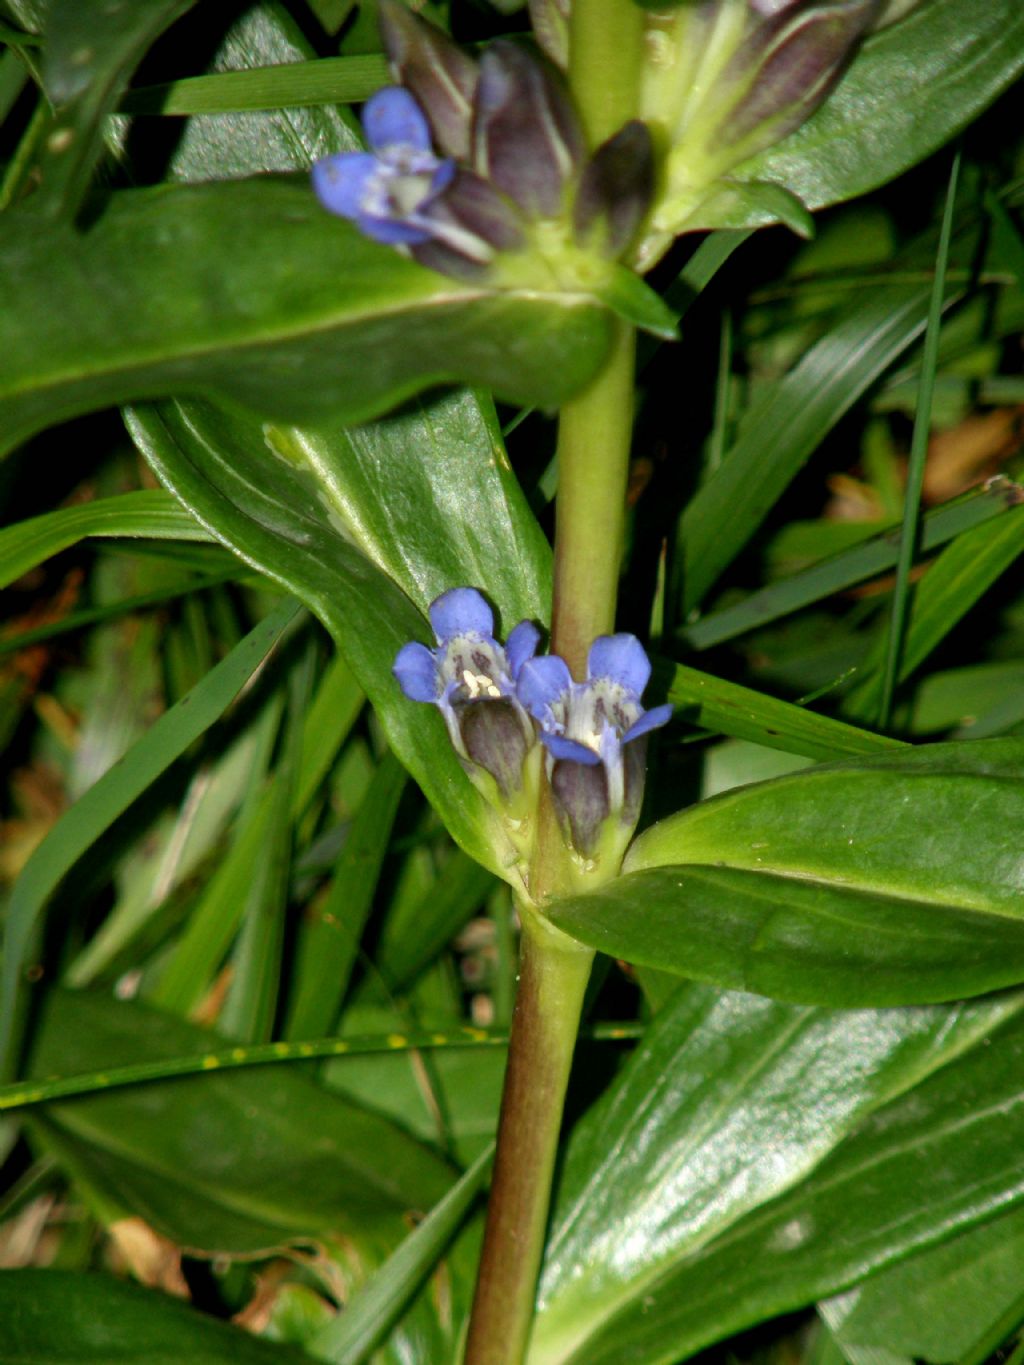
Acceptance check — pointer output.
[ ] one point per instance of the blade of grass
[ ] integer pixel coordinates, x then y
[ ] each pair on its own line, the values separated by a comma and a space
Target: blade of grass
850, 567
27, 1094
251, 1002
79, 828
729, 709
410, 942
336, 706
297, 85
331, 935
962, 573
351, 1337
91, 616
918, 454
221, 906
782, 428
152, 513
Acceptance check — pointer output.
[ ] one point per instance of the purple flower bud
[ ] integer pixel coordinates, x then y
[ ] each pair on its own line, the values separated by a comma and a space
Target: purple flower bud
526, 138
471, 679
594, 733
798, 59
616, 188
440, 75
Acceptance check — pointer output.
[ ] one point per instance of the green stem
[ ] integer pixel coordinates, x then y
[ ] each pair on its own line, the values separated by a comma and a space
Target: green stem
606, 50
593, 468
553, 974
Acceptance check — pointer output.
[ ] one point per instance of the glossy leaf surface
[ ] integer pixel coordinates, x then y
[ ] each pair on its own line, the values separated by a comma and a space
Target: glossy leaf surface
939, 1159
367, 531
251, 292
673, 1226
895, 880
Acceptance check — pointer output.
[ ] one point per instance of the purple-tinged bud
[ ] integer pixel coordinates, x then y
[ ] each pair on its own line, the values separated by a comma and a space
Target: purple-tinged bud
526, 137
440, 75
798, 62
616, 188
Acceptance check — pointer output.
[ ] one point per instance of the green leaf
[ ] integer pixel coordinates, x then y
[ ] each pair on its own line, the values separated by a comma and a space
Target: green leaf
233, 1161
80, 827
739, 203
91, 49
152, 513
728, 1102
895, 880
367, 526
57, 1317
910, 89
935, 1305
741, 712
625, 293
937, 1160
250, 292
299, 84
783, 427
372, 1311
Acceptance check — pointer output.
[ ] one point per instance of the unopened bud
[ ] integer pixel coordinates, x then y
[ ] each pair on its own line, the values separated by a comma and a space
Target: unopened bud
526, 138
617, 187
440, 75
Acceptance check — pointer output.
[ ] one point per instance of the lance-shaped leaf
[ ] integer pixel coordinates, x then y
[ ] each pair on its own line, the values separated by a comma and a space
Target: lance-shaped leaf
894, 880
753, 1156
250, 293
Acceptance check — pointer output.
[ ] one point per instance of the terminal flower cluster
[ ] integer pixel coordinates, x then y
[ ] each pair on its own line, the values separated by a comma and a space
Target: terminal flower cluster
504, 706
473, 163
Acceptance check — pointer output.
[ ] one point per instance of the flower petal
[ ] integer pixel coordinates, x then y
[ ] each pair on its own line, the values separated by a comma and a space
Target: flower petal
650, 720
621, 658
416, 670
461, 611
521, 645
341, 181
563, 748
542, 682
391, 117
391, 231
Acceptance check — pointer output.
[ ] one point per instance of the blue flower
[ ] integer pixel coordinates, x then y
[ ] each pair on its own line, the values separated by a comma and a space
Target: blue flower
387, 190
472, 680
590, 730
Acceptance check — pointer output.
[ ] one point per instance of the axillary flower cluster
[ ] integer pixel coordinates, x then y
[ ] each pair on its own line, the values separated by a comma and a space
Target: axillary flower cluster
505, 707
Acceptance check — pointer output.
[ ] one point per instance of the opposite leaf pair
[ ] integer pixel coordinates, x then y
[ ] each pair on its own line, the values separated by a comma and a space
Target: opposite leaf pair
498, 702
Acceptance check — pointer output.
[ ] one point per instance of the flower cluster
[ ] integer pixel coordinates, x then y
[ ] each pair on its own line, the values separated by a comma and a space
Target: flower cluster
509, 192
504, 705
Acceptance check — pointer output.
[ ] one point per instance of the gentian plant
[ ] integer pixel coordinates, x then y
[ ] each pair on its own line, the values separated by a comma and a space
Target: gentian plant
511, 849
